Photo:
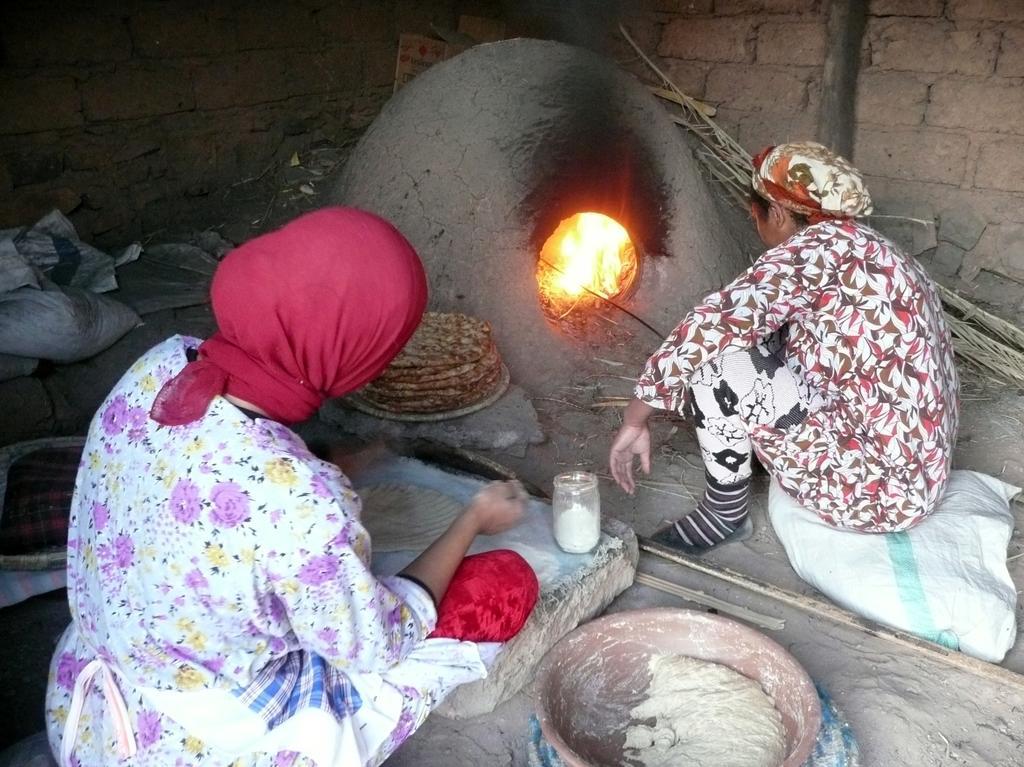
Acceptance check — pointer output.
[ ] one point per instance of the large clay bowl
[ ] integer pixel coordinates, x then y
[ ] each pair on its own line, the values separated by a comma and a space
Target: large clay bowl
589, 681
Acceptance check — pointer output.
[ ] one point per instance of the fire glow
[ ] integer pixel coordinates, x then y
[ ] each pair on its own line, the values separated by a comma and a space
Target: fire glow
588, 255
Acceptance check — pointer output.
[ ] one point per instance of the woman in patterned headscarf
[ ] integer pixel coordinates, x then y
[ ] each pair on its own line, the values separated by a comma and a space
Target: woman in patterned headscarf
829, 358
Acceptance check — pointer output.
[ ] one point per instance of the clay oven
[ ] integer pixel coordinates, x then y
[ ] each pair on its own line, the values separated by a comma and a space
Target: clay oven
541, 185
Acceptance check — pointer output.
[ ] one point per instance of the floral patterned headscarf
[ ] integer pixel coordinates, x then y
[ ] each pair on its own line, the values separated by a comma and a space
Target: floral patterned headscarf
810, 180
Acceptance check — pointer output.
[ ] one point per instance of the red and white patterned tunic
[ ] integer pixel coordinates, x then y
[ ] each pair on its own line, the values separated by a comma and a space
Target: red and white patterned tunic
868, 337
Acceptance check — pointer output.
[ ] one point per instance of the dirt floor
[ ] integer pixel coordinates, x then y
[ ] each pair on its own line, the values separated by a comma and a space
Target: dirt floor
906, 709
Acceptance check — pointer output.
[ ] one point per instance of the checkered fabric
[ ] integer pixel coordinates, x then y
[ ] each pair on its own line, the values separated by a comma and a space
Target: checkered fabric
298, 681
37, 499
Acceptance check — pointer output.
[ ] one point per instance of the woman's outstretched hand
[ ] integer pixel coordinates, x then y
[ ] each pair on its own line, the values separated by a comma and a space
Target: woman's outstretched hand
498, 507
629, 442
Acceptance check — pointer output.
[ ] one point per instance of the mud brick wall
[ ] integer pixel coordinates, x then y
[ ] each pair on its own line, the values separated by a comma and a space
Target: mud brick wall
134, 115
939, 105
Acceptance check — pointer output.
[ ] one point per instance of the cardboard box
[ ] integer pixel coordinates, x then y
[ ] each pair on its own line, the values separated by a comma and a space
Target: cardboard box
417, 53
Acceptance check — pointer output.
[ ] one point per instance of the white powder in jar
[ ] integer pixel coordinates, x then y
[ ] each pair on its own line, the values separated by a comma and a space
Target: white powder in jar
577, 528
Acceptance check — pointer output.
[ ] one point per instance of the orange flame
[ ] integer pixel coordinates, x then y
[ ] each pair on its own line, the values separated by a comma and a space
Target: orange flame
587, 253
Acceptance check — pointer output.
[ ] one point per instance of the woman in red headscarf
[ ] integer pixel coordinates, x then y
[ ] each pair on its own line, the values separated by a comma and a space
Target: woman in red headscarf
218, 574
829, 357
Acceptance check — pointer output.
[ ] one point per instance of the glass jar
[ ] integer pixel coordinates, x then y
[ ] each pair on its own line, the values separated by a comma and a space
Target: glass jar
576, 507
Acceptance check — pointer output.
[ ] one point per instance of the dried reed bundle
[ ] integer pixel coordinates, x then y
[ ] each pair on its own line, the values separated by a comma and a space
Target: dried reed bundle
723, 157
992, 345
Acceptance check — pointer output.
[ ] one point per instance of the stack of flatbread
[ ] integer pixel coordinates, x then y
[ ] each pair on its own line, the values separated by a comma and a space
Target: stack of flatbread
450, 363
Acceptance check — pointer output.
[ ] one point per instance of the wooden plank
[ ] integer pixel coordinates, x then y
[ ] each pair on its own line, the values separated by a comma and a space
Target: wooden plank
699, 597
701, 106
837, 614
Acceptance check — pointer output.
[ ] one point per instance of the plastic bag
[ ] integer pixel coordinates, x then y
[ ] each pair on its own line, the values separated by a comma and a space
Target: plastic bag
944, 580
61, 325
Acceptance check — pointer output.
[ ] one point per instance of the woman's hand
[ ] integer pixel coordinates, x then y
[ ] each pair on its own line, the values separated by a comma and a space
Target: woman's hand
630, 441
498, 507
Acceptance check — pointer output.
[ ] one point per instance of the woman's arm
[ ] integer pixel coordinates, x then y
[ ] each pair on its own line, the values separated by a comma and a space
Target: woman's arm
317, 568
496, 508
633, 439
782, 285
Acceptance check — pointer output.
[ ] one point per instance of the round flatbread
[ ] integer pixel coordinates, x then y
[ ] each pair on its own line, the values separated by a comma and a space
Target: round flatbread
430, 373
406, 517
476, 374
445, 339
435, 401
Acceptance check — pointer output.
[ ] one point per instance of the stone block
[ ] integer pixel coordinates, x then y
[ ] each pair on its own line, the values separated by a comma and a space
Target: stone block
342, 68
135, 148
716, 39
947, 259
145, 167
420, 16
986, 10
31, 203
1001, 166
31, 36
379, 63
756, 88
43, 103
1011, 53
137, 91
560, 608
91, 152
254, 78
1000, 250
158, 32
984, 105
921, 155
104, 222
732, 7
961, 226
891, 98
905, 7
263, 25
923, 45
908, 224
361, 21
800, 43
689, 76
35, 167
761, 129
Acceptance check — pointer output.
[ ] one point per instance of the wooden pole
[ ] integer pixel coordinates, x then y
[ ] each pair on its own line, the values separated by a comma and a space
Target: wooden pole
844, 31
831, 612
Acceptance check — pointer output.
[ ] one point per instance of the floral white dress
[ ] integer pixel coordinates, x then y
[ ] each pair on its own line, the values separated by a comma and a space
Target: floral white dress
220, 573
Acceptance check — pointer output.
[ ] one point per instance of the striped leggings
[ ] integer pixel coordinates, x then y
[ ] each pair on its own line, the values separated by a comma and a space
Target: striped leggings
730, 395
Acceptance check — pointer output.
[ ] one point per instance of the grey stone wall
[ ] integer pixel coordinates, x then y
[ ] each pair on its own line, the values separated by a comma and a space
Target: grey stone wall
129, 116
940, 104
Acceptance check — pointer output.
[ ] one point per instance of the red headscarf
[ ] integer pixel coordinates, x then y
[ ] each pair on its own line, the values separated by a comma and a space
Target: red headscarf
313, 310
